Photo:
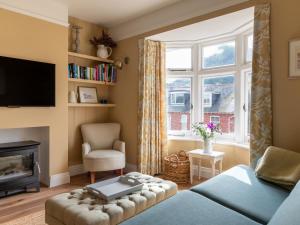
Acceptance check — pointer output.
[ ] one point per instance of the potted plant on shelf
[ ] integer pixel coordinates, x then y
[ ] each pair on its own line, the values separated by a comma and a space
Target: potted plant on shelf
104, 44
207, 131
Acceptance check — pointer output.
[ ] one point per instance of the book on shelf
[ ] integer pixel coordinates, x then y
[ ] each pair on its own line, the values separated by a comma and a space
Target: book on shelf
101, 72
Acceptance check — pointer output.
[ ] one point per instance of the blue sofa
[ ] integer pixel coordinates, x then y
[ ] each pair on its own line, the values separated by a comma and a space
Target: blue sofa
235, 197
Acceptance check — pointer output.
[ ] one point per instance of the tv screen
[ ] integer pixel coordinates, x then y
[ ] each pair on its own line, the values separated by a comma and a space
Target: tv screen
26, 83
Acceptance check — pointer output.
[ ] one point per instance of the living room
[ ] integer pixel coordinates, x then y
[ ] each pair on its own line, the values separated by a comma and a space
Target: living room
151, 109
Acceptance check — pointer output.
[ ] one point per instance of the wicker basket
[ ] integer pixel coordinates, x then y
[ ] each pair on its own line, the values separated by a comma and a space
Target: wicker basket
177, 167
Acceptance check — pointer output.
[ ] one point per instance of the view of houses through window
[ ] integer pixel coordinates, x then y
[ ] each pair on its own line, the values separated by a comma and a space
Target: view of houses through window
210, 82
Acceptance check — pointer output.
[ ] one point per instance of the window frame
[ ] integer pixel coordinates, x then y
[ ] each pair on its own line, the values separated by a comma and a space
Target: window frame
247, 34
198, 74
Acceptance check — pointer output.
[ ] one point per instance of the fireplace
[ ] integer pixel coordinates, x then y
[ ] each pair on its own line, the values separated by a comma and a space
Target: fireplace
19, 168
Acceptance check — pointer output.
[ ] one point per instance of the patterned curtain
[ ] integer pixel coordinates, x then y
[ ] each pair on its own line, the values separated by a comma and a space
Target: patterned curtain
261, 103
152, 107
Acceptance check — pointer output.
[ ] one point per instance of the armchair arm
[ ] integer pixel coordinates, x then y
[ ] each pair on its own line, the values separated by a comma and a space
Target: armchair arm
86, 148
119, 146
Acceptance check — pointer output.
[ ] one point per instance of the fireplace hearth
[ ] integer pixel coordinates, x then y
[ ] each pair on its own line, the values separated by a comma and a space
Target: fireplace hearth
19, 168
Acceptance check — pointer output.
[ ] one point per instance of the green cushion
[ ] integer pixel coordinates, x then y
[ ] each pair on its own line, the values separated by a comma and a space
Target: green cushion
289, 212
240, 190
189, 208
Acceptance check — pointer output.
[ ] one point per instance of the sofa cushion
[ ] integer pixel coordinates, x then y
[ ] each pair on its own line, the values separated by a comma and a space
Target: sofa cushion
279, 166
240, 190
288, 212
189, 208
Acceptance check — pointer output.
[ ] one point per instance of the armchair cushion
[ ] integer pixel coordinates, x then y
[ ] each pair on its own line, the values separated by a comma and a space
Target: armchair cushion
100, 135
102, 160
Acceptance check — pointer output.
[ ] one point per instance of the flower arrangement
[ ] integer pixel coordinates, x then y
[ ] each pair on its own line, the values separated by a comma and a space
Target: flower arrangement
105, 40
206, 130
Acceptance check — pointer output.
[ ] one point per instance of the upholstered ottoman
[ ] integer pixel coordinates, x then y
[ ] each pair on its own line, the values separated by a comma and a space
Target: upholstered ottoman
81, 208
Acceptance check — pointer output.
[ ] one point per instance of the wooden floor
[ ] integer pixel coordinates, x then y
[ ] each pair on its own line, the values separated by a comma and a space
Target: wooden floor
27, 203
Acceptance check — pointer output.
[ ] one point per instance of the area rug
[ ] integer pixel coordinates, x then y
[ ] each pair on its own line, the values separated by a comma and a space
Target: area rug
37, 218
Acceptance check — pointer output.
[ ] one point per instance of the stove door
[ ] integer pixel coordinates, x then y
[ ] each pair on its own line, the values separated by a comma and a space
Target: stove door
16, 166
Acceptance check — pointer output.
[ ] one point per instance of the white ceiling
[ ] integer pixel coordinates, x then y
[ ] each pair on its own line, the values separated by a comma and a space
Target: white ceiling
113, 12
227, 24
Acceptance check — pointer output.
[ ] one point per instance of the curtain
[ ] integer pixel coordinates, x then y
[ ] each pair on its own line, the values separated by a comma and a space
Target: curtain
152, 143
261, 95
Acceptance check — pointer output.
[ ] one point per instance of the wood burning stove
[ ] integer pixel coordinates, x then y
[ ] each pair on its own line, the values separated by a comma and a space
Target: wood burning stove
19, 168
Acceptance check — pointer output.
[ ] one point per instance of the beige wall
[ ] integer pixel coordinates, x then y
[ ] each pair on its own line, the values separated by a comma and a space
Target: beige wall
78, 116
285, 26
29, 38
125, 95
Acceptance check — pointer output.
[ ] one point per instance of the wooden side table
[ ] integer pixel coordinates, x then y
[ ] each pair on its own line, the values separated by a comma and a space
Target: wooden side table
214, 157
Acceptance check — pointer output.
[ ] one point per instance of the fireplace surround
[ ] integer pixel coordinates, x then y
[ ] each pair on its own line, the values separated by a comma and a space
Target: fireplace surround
19, 168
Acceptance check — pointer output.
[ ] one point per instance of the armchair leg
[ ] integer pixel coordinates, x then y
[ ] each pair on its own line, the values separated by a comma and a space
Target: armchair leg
119, 172
93, 177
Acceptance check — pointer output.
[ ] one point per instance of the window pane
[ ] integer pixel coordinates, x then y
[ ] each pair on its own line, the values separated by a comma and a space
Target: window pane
179, 105
221, 107
179, 58
219, 55
249, 48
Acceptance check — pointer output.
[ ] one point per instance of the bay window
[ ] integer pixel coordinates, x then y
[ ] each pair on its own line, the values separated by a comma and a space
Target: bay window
210, 82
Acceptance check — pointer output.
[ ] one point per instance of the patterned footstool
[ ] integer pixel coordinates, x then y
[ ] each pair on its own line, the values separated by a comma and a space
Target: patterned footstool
81, 208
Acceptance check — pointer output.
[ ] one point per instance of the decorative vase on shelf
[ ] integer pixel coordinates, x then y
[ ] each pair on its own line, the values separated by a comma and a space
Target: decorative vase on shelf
207, 145
103, 51
72, 97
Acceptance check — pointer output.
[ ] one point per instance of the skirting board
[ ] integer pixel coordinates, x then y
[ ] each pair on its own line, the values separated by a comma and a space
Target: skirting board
76, 170
59, 179
79, 169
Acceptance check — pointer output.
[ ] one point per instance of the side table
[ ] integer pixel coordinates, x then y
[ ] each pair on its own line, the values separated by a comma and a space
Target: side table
214, 157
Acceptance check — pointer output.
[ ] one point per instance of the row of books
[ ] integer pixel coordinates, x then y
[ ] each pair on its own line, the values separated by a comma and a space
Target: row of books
101, 72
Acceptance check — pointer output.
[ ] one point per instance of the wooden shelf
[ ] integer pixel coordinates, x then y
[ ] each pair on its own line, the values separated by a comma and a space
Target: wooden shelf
75, 80
94, 58
91, 105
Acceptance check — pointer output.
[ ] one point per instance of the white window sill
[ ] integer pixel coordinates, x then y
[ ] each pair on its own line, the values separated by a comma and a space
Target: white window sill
220, 142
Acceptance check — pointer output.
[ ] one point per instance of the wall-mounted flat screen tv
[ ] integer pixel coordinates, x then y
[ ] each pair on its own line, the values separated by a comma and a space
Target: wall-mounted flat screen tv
25, 83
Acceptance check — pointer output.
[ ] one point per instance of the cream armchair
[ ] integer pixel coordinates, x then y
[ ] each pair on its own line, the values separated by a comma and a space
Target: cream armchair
101, 149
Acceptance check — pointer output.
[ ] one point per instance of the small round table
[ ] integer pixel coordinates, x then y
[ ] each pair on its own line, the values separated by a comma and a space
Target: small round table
214, 157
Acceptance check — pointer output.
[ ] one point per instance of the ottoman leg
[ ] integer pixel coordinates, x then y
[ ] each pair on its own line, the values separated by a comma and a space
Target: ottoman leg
93, 177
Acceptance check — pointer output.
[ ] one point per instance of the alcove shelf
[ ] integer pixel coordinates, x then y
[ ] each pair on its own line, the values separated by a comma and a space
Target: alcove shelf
94, 58
75, 80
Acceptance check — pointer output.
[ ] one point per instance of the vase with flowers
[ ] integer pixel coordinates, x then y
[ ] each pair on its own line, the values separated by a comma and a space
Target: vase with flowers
207, 131
104, 44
